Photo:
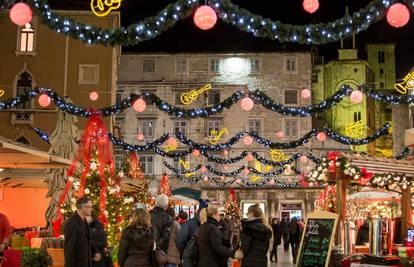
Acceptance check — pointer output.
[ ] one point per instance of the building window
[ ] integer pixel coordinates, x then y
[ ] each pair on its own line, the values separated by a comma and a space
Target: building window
89, 74
254, 125
381, 57
213, 125
27, 38
291, 97
148, 65
315, 78
181, 66
147, 128
291, 65
215, 65
119, 123
357, 116
381, 71
119, 95
213, 97
180, 126
382, 85
118, 155
24, 84
147, 164
291, 128
254, 65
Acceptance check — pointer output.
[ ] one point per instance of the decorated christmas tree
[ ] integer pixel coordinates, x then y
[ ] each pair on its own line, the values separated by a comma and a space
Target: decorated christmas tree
164, 188
231, 207
327, 199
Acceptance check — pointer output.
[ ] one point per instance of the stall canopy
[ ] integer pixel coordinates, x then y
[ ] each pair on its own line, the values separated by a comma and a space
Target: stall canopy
187, 192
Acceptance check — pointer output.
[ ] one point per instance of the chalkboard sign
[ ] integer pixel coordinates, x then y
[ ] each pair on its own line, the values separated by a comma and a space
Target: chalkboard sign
316, 244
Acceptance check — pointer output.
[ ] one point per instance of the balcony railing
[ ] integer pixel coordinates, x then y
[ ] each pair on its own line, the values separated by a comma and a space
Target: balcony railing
22, 117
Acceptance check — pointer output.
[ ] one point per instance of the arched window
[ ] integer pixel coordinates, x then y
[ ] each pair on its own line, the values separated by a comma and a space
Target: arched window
23, 140
27, 38
24, 84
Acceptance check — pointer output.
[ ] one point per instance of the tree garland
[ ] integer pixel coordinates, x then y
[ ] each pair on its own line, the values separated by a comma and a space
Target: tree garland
230, 13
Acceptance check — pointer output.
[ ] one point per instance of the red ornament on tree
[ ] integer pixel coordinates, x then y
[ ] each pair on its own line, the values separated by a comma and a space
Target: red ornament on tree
205, 17
310, 5
398, 15
164, 186
20, 14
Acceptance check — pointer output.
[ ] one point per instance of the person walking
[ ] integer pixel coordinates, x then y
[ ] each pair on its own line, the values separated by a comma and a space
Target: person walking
173, 253
277, 236
212, 252
161, 222
98, 241
285, 233
294, 233
77, 247
137, 241
182, 217
255, 238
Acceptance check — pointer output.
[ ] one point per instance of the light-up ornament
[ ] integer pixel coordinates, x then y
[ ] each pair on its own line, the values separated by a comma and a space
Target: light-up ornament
215, 135
225, 167
238, 181
102, 8
171, 141
205, 178
2, 93
272, 182
188, 97
196, 153
247, 104
310, 6
205, 17
398, 15
140, 136
279, 134
93, 96
44, 100
277, 155
247, 140
246, 171
203, 168
225, 152
305, 93
222, 178
321, 136
406, 84
303, 159
249, 157
140, 105
20, 14
356, 96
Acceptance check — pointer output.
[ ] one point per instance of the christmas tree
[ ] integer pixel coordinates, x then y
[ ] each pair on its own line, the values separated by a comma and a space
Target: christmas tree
165, 189
231, 207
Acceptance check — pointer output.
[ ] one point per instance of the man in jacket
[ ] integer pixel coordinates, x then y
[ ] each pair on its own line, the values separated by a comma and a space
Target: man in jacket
77, 249
161, 222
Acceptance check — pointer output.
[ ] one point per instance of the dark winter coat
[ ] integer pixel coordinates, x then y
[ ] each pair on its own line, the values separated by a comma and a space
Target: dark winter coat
255, 239
277, 234
294, 231
77, 248
135, 247
98, 242
211, 249
161, 225
188, 229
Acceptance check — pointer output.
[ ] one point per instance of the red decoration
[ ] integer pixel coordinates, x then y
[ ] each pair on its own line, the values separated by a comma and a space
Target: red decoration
249, 157
140, 136
140, 105
203, 168
332, 156
196, 153
310, 6
225, 152
171, 141
44, 100
205, 178
303, 159
246, 171
366, 176
205, 17
247, 140
279, 135
321, 136
247, 104
20, 14
164, 186
135, 171
357, 96
305, 93
94, 96
398, 15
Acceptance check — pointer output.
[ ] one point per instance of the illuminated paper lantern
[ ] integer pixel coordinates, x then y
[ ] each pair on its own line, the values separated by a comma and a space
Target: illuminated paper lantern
305, 93
20, 14
356, 96
246, 171
303, 159
140, 136
205, 178
44, 100
140, 105
203, 168
93, 96
279, 135
398, 15
321, 136
196, 153
249, 157
225, 152
205, 17
247, 104
247, 140
310, 6
171, 141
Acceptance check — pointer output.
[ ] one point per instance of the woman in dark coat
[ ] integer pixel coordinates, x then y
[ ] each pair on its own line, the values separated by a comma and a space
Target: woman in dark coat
255, 238
98, 241
211, 249
277, 237
137, 241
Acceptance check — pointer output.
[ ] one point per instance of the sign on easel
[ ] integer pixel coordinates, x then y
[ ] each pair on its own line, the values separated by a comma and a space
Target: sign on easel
316, 243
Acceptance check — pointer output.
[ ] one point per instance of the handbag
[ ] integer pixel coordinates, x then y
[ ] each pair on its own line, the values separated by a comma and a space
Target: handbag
158, 256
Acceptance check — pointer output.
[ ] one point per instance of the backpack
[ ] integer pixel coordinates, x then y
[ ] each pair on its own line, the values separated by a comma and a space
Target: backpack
190, 253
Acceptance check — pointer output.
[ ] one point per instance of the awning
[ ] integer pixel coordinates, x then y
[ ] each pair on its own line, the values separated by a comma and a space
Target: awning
187, 192
382, 165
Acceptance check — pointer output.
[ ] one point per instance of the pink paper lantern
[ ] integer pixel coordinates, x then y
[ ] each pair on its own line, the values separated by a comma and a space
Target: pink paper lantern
238, 181
140, 136
247, 140
246, 171
321, 136
225, 152
20, 14
303, 159
94, 96
205, 178
398, 15
44, 100
279, 135
140, 105
249, 157
205, 17
356, 96
203, 168
272, 182
310, 6
226, 167
222, 178
196, 153
247, 104
171, 141
305, 93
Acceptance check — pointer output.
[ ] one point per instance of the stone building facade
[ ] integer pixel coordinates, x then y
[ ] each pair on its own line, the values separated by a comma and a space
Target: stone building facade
281, 75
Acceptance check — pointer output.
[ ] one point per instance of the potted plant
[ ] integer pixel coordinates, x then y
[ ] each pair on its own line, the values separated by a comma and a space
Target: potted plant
35, 257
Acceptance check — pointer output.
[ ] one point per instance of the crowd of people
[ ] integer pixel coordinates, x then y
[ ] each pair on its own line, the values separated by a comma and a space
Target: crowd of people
161, 237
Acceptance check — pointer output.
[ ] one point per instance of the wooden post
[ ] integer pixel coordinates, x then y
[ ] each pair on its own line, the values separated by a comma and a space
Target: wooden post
342, 182
405, 210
